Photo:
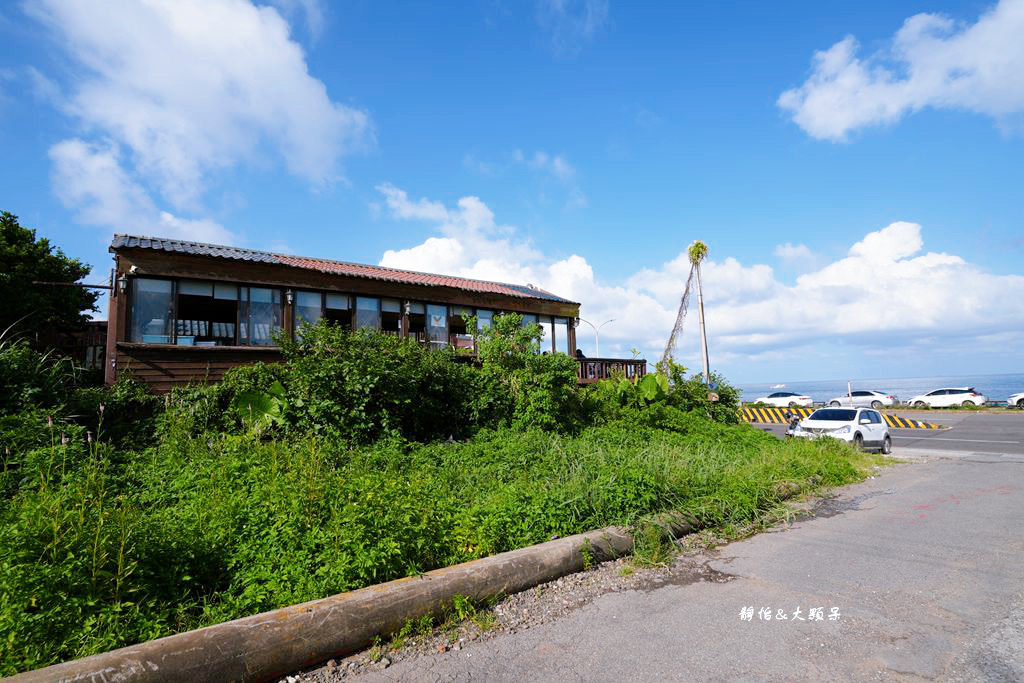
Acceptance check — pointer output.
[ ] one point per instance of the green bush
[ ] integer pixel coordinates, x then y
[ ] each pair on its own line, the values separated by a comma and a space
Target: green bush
520, 386
363, 386
29, 379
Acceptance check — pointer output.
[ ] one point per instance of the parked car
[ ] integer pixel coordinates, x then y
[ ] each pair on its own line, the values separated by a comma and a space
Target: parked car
785, 399
863, 399
1016, 400
943, 398
862, 427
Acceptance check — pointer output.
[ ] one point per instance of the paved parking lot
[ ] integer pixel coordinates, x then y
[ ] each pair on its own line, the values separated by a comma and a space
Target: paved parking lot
968, 431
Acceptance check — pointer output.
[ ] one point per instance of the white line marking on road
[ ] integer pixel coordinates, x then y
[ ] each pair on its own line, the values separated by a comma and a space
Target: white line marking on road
939, 438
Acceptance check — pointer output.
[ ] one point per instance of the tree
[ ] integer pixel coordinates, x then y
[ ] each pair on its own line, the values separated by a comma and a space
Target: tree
24, 259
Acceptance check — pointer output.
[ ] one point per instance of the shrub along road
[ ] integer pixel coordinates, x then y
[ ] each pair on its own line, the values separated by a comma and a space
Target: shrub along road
921, 563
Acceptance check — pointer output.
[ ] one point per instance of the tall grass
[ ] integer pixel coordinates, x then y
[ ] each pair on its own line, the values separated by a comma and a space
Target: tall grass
120, 522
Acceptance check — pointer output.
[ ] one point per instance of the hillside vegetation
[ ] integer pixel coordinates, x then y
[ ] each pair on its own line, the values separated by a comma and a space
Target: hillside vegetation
362, 458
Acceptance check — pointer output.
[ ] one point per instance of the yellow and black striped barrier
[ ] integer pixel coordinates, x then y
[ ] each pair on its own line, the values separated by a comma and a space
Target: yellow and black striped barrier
768, 415
907, 423
779, 416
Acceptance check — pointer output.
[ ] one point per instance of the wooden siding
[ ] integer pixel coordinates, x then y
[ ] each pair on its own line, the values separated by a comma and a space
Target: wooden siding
163, 367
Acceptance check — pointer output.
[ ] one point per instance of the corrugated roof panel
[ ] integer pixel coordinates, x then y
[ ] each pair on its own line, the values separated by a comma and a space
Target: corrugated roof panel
337, 267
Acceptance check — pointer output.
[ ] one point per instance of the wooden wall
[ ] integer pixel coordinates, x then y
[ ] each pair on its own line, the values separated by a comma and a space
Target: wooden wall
164, 367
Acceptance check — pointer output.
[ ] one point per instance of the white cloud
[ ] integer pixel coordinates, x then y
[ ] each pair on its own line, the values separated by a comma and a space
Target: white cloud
192, 87
43, 89
398, 201
555, 166
90, 179
571, 23
313, 11
795, 255
931, 62
886, 292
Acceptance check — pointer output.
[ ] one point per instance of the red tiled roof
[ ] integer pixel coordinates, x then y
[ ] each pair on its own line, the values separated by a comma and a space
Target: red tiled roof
337, 267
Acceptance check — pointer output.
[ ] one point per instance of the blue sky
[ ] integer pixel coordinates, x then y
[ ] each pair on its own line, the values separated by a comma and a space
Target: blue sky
856, 169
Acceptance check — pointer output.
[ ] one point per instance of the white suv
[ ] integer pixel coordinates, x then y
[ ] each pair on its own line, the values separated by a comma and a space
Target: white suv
943, 398
1016, 400
862, 427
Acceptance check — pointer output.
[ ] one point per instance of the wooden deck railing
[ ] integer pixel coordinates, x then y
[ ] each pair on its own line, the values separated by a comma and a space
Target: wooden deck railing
596, 369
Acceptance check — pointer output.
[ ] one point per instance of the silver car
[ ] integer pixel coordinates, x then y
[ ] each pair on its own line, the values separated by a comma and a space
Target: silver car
864, 399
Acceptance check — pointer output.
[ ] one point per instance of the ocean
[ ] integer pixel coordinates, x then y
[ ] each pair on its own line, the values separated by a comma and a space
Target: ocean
995, 387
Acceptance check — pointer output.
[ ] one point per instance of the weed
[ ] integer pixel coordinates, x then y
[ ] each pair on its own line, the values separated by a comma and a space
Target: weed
588, 556
376, 651
485, 620
651, 545
626, 570
462, 608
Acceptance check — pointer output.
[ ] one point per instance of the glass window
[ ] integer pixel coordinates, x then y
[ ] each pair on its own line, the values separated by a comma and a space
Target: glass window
528, 319
546, 335
151, 310
417, 321
484, 318
437, 325
207, 314
562, 336
367, 312
308, 309
261, 315
460, 337
391, 316
337, 310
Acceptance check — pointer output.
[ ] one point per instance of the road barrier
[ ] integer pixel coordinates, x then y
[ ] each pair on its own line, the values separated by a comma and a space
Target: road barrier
780, 416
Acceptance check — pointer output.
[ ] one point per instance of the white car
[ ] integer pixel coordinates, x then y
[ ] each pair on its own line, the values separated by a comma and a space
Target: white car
863, 399
785, 399
943, 398
862, 427
1016, 400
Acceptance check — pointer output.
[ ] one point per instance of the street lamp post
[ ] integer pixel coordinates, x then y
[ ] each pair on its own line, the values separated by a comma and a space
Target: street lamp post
597, 338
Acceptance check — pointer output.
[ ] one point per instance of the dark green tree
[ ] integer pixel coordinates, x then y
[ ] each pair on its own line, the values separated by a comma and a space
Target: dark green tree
25, 259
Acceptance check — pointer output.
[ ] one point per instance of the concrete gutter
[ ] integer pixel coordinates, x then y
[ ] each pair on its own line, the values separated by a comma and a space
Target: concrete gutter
267, 646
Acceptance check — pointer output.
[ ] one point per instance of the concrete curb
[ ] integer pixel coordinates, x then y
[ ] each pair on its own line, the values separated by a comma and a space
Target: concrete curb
267, 646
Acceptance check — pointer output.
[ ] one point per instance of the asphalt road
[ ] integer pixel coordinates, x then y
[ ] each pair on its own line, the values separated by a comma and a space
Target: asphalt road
968, 431
921, 564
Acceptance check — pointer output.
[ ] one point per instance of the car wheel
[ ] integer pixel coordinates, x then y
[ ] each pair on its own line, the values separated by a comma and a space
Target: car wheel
919, 404
834, 404
792, 404
876, 404
886, 445
1020, 403
967, 404
858, 441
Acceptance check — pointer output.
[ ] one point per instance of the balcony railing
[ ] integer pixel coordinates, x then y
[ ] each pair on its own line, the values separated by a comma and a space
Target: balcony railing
596, 369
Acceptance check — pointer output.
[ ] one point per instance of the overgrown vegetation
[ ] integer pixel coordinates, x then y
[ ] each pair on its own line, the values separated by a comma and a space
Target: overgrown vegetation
361, 459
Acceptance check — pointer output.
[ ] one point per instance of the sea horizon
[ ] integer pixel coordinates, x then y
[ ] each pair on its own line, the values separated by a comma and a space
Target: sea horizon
995, 387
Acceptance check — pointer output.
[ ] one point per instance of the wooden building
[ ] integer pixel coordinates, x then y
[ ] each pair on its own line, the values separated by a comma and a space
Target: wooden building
183, 312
